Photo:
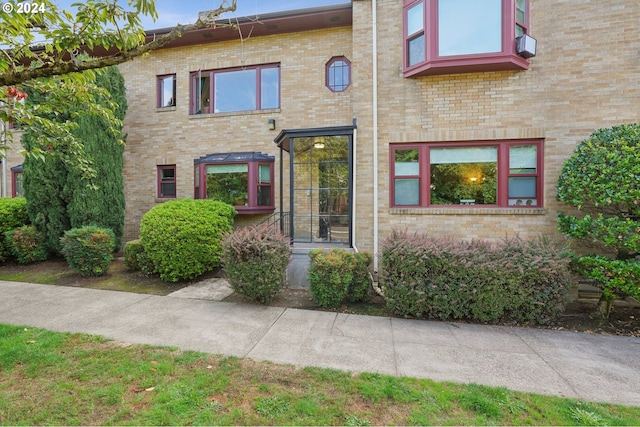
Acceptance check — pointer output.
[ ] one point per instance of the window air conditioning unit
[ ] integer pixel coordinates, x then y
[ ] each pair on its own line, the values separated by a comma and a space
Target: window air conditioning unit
526, 46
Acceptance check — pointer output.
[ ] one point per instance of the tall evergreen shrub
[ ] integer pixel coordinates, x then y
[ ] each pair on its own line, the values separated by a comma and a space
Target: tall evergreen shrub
57, 196
103, 203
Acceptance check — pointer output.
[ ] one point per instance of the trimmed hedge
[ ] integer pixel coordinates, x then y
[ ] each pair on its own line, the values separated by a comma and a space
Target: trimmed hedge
255, 260
337, 274
88, 250
183, 238
13, 214
27, 244
515, 280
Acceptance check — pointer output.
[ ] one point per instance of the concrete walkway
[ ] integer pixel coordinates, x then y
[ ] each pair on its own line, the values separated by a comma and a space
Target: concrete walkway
590, 367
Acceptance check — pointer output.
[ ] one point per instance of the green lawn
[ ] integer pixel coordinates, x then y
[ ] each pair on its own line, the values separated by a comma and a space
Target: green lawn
74, 379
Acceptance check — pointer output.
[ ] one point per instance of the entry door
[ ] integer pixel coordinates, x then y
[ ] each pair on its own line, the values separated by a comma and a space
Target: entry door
321, 189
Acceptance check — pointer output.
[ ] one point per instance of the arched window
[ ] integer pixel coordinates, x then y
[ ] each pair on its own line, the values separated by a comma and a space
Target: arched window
338, 74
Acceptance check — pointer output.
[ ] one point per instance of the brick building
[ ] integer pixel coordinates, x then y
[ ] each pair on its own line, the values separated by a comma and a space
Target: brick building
355, 119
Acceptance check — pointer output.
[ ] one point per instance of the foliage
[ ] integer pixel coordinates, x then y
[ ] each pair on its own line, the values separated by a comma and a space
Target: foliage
88, 250
330, 274
230, 188
255, 260
102, 202
361, 283
58, 196
183, 238
44, 52
27, 244
620, 276
132, 250
515, 280
602, 180
13, 214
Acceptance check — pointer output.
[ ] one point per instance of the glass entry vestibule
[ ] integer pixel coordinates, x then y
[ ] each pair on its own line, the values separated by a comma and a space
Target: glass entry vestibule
320, 184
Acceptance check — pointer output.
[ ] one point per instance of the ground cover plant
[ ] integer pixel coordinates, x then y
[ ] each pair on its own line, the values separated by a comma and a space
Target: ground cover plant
74, 379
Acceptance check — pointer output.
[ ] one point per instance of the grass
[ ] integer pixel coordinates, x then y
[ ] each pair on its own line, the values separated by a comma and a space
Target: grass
75, 379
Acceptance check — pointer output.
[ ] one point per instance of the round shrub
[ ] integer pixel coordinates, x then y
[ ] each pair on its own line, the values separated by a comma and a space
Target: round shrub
27, 244
13, 214
88, 250
255, 260
330, 274
183, 238
601, 179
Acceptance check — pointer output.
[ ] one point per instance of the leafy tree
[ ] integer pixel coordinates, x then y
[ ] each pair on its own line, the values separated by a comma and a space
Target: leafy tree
46, 52
602, 181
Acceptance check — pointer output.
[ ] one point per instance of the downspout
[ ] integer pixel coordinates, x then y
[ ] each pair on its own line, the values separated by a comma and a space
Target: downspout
354, 180
374, 79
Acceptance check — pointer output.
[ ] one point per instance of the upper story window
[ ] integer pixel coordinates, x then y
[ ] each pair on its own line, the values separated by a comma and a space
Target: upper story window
338, 74
236, 89
496, 173
458, 36
166, 91
243, 180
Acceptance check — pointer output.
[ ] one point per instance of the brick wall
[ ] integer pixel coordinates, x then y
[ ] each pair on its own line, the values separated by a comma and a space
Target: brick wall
174, 137
585, 76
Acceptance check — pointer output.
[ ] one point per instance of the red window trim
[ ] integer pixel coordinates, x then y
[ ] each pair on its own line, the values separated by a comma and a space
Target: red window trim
160, 182
212, 73
252, 207
503, 171
433, 64
159, 80
326, 73
13, 184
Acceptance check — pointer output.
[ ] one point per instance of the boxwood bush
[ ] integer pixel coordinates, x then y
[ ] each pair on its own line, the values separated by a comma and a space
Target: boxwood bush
135, 258
514, 280
255, 260
27, 244
88, 250
183, 238
13, 214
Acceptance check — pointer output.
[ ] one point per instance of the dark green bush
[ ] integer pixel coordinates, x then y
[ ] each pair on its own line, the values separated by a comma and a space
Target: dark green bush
361, 283
132, 249
183, 238
255, 260
27, 244
88, 250
13, 214
330, 274
601, 180
515, 280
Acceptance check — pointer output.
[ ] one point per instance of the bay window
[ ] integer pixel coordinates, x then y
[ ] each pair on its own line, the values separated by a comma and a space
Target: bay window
243, 180
458, 36
500, 174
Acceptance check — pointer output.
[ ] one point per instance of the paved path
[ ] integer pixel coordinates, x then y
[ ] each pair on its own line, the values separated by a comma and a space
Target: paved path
590, 367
